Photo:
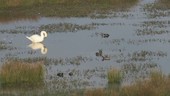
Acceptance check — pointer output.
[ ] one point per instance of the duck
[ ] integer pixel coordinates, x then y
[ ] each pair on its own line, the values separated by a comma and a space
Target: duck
105, 57
37, 38
70, 74
36, 46
105, 35
98, 54
60, 74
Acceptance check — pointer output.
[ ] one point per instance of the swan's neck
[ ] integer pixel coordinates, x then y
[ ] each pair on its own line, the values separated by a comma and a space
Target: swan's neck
42, 35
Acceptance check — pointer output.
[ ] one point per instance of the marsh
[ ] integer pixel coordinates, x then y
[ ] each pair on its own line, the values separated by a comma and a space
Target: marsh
132, 35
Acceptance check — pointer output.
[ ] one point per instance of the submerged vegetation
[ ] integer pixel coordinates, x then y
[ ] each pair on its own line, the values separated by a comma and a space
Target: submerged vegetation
2, 45
6, 45
50, 61
158, 9
61, 27
163, 4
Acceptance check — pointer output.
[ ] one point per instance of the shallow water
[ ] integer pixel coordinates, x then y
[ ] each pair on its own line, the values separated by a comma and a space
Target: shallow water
72, 44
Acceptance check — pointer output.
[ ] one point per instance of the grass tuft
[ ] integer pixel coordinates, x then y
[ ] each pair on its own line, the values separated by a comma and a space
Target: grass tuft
114, 76
156, 85
18, 73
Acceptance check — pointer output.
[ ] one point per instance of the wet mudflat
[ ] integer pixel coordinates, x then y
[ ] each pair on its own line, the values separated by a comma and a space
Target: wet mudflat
82, 49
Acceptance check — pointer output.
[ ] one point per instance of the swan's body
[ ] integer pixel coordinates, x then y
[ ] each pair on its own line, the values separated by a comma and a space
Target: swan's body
37, 38
36, 46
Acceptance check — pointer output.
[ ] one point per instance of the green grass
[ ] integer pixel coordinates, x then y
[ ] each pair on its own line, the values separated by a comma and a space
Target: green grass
32, 9
4, 45
26, 3
17, 73
114, 76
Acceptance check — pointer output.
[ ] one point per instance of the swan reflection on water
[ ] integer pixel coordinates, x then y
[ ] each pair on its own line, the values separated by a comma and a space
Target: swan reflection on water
37, 46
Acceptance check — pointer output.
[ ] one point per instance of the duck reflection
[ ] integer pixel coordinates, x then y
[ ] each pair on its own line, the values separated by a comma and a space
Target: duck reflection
36, 46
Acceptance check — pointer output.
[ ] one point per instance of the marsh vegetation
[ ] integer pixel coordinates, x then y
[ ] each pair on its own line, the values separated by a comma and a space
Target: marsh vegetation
155, 84
17, 73
33, 9
95, 48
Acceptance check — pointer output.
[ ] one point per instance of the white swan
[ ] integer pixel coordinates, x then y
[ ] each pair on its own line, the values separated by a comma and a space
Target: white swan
37, 38
36, 46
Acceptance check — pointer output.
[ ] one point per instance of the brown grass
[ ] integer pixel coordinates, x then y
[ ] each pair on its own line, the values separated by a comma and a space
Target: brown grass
157, 85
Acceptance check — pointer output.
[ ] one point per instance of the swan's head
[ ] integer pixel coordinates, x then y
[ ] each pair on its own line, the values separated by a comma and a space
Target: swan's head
44, 33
